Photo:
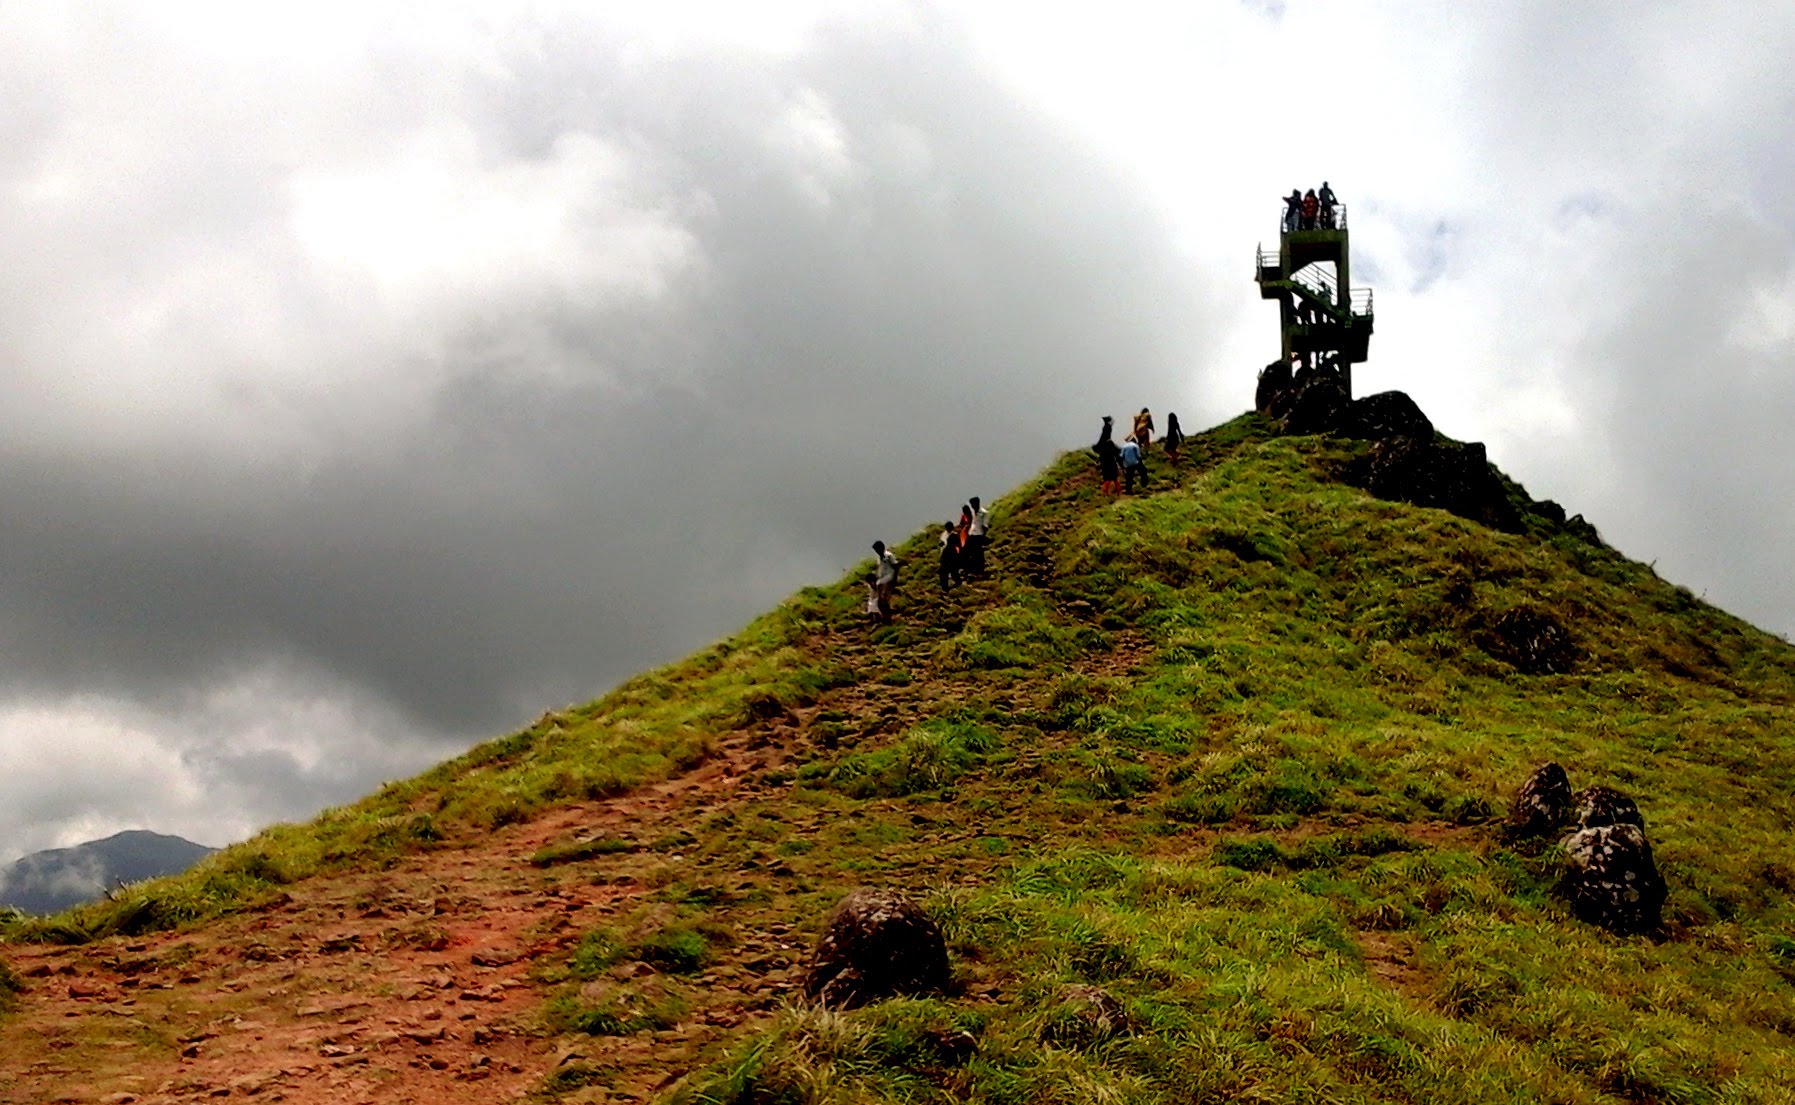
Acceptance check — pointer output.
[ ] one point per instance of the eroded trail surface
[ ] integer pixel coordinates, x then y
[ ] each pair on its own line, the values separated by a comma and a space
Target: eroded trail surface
412, 984
428, 980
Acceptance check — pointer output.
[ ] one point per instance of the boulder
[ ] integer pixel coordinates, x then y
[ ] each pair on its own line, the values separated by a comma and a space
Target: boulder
1087, 1015
1543, 804
1448, 475
1598, 806
1315, 403
1532, 641
1274, 382
876, 943
1579, 526
1386, 415
1613, 881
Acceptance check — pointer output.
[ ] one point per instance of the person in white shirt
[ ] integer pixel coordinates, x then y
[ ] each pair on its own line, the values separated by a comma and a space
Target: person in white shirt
975, 545
885, 576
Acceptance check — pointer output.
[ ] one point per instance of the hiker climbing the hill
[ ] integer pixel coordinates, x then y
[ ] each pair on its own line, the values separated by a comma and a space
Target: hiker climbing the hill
975, 548
1134, 465
1325, 198
1109, 461
965, 525
1143, 429
952, 566
872, 599
1293, 210
885, 577
1310, 206
1174, 438
1109, 427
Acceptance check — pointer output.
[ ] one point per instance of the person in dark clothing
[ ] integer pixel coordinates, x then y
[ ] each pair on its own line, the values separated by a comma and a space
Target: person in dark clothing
1325, 198
1174, 438
1109, 461
1310, 206
1293, 210
1109, 427
951, 567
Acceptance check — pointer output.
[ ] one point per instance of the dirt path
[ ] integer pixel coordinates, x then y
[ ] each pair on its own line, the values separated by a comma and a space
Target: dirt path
403, 985
424, 982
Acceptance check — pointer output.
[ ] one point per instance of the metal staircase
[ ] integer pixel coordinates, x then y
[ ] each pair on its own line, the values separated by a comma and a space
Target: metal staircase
1324, 321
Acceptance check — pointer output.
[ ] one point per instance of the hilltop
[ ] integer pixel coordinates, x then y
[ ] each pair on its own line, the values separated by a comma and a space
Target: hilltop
1237, 752
58, 878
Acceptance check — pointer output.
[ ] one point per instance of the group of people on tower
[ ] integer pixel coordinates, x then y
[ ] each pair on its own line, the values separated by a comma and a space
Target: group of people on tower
1120, 467
1309, 210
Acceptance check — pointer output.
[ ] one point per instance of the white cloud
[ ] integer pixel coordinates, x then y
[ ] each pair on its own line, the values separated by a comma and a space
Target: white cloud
379, 371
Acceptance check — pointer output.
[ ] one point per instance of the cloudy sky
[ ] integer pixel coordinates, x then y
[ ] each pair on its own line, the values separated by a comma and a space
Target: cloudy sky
378, 375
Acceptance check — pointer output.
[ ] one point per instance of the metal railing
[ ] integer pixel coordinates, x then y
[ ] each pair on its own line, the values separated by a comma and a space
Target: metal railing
1339, 218
1323, 286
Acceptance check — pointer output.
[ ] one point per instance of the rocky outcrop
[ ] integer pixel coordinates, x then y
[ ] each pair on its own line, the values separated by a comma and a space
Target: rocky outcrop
1274, 382
1613, 881
1406, 463
1531, 641
877, 943
1317, 403
1543, 804
1449, 475
1386, 415
1598, 806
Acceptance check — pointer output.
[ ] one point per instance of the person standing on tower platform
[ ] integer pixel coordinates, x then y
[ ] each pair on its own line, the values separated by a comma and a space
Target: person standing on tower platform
1326, 199
1310, 206
1293, 210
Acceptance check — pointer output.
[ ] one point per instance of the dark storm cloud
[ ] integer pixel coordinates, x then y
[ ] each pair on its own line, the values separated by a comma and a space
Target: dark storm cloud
376, 383
885, 285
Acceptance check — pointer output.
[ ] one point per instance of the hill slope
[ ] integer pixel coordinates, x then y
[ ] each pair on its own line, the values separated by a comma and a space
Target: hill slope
57, 878
1235, 751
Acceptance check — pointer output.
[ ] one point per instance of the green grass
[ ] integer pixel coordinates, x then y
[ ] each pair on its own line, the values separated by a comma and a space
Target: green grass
11, 986
1236, 751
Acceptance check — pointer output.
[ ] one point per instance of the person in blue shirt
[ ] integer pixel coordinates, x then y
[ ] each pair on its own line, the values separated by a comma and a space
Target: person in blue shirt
1134, 466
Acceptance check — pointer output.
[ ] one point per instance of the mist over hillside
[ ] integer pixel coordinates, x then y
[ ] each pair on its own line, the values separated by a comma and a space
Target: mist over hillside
58, 878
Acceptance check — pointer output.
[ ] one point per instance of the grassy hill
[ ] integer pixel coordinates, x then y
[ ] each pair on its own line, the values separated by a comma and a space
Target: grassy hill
1236, 751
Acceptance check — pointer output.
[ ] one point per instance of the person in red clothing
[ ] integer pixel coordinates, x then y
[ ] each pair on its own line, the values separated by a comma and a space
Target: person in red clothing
1311, 206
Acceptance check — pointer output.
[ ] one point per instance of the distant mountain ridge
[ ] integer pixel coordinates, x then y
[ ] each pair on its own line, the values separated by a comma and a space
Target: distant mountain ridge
57, 878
